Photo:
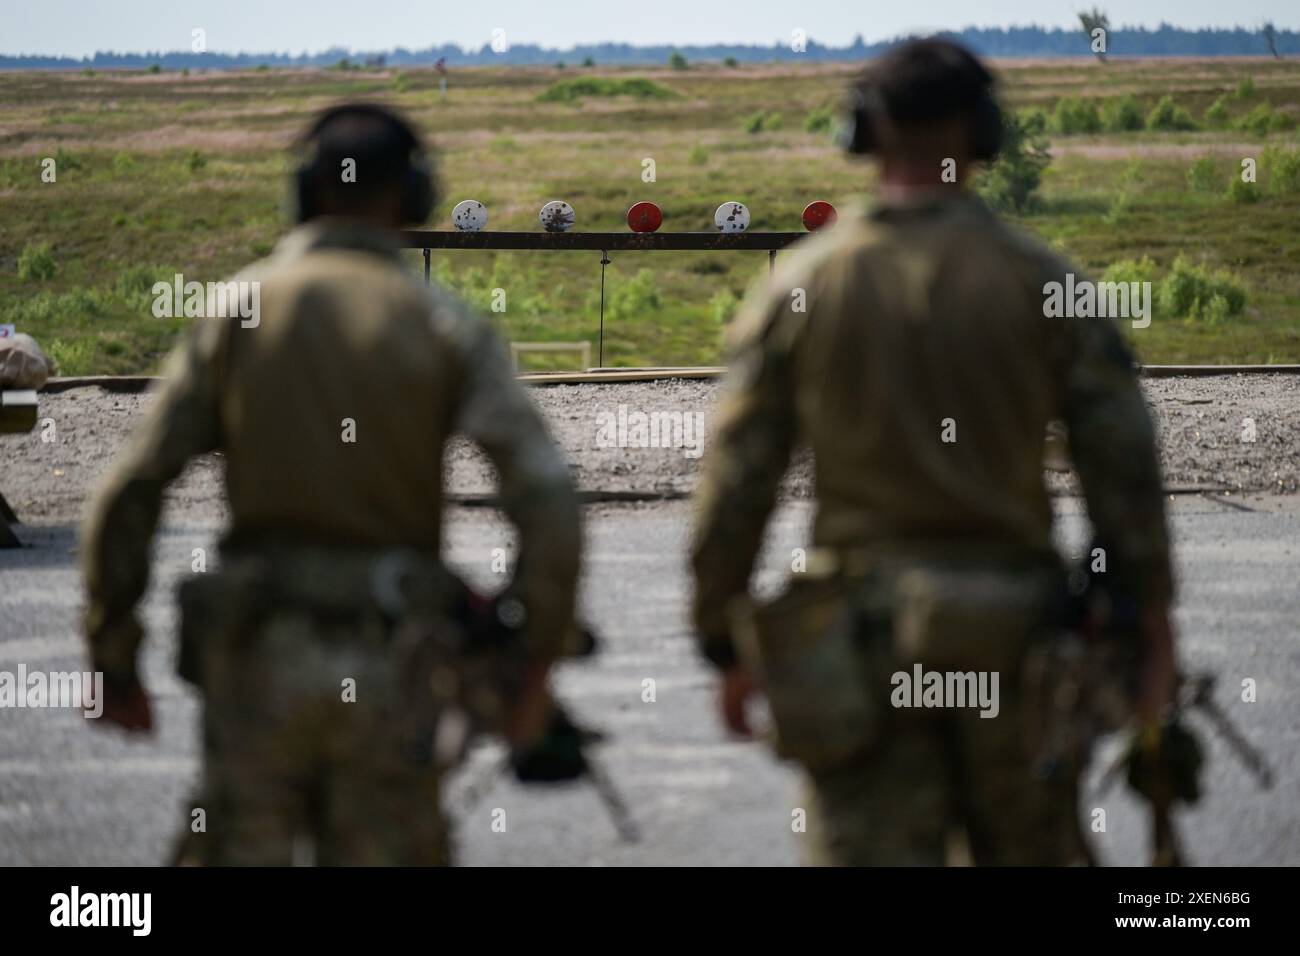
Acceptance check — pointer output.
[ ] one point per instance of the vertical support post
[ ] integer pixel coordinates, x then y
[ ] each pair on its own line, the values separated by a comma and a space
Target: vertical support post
771, 261
426, 266
604, 261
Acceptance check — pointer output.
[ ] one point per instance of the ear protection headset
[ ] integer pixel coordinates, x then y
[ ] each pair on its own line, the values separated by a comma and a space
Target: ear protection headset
419, 192
869, 120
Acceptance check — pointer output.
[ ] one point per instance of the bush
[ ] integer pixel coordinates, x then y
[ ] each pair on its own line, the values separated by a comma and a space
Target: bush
634, 299
1216, 114
1011, 183
1193, 292
1245, 88
63, 160
699, 155
1122, 115
194, 161
566, 91
1129, 270
1165, 115
819, 120
1240, 191
1201, 176
123, 163
1034, 121
724, 304
588, 61
677, 61
730, 62
36, 261
155, 68
754, 122
1283, 169
1257, 121
1073, 116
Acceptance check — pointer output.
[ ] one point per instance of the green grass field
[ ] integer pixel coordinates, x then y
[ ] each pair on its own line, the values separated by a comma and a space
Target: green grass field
159, 173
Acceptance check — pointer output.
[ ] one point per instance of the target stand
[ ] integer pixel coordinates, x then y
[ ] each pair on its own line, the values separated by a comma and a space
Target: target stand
602, 242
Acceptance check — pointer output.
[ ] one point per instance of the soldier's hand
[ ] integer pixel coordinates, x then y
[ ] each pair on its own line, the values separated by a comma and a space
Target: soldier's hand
737, 688
532, 711
1158, 679
126, 705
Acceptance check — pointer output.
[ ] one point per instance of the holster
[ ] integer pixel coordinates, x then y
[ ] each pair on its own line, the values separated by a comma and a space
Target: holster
818, 650
826, 649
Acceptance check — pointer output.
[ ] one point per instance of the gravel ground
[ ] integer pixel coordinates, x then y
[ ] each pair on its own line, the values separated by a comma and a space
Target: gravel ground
1201, 423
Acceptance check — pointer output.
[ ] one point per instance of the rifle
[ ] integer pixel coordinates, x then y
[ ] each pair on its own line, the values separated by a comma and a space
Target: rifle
1164, 763
1165, 768
465, 660
560, 756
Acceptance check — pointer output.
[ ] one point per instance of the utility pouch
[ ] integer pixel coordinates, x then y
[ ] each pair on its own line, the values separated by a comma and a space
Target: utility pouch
218, 610
816, 650
962, 618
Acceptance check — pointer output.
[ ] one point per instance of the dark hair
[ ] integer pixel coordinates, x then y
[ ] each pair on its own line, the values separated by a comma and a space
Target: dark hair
385, 148
927, 81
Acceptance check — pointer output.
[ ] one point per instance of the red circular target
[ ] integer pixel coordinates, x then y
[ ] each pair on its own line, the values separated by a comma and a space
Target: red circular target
818, 214
645, 217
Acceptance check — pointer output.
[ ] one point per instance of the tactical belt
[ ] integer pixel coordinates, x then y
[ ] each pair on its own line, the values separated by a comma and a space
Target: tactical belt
825, 562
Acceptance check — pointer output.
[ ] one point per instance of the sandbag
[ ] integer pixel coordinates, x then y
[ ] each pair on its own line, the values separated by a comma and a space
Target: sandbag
22, 363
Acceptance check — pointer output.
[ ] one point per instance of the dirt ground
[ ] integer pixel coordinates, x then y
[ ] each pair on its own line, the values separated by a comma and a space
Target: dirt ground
1203, 424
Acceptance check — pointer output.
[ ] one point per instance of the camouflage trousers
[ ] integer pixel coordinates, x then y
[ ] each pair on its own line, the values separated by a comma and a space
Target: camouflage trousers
304, 758
937, 777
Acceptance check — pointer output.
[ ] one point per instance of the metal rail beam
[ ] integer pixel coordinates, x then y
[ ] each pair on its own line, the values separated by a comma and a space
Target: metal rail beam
604, 241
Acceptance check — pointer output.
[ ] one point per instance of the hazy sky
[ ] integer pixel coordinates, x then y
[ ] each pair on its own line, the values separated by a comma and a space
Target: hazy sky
80, 27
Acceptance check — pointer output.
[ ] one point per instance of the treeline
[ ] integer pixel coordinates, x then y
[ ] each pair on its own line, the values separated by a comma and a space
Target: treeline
1165, 40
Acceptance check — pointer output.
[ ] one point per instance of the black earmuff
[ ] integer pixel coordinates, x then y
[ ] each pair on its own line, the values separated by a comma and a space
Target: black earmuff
419, 190
866, 108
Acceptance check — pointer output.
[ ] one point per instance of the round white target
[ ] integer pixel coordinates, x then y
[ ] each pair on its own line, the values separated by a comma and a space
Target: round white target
731, 217
557, 216
470, 215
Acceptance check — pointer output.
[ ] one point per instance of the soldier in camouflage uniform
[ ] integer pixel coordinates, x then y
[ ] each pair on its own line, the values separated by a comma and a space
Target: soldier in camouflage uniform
907, 347
347, 338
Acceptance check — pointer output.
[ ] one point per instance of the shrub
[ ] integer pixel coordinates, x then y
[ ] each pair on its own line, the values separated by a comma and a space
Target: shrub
1165, 115
1129, 270
123, 163
634, 299
1073, 116
588, 61
1216, 114
1245, 88
699, 155
63, 160
1193, 292
1283, 169
194, 161
1011, 183
724, 304
730, 62
754, 122
677, 61
155, 68
819, 120
566, 91
1201, 176
36, 261
1122, 115
1257, 121
1034, 121
1240, 191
